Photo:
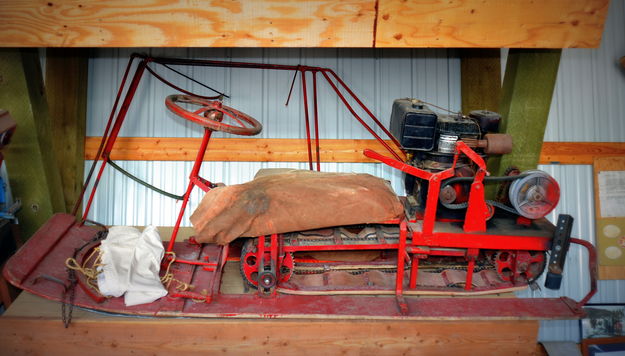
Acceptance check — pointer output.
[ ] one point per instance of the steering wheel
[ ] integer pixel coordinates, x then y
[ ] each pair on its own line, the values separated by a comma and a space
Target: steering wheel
212, 113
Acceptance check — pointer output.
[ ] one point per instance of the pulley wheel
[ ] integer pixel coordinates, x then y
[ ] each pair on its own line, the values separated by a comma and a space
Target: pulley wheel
535, 195
213, 115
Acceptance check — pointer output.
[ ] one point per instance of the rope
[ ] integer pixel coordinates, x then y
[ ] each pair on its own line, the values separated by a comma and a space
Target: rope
144, 183
168, 277
90, 273
67, 307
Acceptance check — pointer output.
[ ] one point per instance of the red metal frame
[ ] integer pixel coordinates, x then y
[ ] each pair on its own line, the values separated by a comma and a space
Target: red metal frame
471, 239
117, 118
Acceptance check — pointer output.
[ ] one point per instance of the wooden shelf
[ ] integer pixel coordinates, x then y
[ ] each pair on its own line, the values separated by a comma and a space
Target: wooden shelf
33, 325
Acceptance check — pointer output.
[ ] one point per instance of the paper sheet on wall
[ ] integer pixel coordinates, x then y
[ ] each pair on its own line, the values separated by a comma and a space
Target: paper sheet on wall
612, 193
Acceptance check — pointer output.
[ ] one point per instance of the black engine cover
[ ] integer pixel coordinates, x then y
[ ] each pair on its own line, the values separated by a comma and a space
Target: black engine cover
413, 124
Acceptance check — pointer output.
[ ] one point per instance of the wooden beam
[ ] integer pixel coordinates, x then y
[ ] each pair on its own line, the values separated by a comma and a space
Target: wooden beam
491, 23
294, 150
66, 87
179, 23
611, 272
233, 149
33, 175
293, 23
33, 325
578, 152
526, 97
480, 79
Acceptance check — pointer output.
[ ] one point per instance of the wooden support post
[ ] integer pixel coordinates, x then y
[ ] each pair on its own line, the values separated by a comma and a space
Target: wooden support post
525, 100
66, 88
480, 81
33, 175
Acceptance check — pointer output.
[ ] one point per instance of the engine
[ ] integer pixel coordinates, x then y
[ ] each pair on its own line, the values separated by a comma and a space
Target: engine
430, 138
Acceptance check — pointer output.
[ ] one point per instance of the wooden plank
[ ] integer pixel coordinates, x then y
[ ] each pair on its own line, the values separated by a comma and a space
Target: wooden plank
578, 152
33, 325
294, 150
480, 79
179, 23
611, 272
526, 97
233, 149
491, 23
33, 175
66, 87
609, 267
313, 23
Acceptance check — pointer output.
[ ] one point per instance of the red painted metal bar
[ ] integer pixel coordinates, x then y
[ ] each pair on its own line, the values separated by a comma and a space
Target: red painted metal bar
215, 282
307, 121
414, 271
334, 247
436, 252
302, 69
201, 183
229, 64
275, 266
398, 164
462, 147
431, 205
165, 81
115, 131
104, 136
471, 256
482, 241
434, 182
192, 178
124, 108
362, 122
592, 269
192, 295
399, 279
288, 97
316, 118
364, 107
260, 261
477, 211
176, 61
197, 263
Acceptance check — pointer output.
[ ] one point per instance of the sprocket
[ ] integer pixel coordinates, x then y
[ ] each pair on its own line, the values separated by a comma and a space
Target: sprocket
520, 266
249, 264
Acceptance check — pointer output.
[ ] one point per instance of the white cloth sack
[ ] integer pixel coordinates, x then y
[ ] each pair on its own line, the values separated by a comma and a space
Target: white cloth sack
131, 264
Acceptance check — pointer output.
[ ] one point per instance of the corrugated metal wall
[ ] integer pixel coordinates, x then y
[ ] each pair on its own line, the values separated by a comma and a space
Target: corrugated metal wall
588, 105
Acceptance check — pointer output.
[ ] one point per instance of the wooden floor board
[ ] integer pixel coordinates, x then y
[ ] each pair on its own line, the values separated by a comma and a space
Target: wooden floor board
32, 326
